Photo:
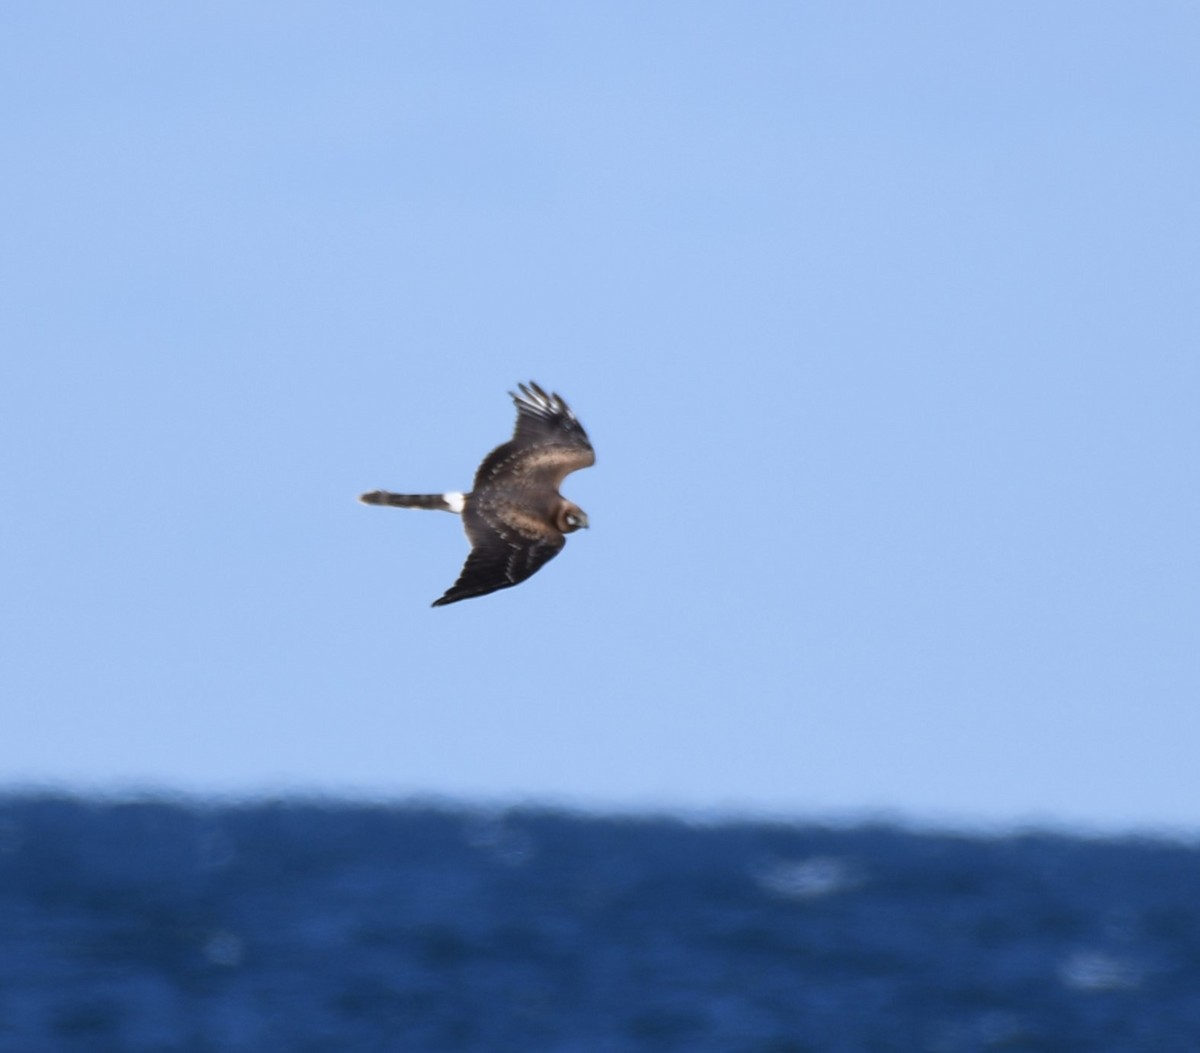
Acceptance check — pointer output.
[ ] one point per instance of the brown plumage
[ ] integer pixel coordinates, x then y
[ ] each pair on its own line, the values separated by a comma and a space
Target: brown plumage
515, 518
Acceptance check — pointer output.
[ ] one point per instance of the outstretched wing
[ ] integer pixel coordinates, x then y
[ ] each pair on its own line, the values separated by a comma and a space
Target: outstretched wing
548, 443
503, 553
543, 418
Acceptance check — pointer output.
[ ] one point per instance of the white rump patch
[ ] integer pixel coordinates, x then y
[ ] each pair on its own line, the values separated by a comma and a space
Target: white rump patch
455, 501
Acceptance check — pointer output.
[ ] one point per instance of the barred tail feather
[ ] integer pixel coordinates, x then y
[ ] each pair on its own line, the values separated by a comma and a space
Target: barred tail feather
451, 502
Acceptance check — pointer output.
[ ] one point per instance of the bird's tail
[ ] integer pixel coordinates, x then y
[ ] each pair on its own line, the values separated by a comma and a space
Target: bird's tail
451, 502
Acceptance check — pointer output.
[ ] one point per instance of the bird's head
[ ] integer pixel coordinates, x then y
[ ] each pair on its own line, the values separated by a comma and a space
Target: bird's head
571, 518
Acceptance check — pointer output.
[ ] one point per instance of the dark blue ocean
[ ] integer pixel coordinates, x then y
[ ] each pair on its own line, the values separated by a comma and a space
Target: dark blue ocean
320, 927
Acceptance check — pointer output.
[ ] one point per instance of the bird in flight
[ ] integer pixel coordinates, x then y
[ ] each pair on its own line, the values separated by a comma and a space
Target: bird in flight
515, 518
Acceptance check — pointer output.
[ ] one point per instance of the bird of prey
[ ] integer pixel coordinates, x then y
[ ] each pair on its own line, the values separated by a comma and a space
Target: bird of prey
515, 518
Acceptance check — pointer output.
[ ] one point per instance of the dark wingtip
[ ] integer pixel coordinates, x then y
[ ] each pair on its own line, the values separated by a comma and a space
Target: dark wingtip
534, 398
529, 393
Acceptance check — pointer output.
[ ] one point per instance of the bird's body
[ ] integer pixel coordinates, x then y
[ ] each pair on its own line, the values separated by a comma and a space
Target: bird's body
515, 518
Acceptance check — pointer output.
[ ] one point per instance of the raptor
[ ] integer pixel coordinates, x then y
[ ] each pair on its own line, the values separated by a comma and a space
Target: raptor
514, 516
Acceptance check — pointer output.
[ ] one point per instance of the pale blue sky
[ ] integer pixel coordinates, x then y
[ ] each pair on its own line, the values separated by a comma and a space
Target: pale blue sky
884, 320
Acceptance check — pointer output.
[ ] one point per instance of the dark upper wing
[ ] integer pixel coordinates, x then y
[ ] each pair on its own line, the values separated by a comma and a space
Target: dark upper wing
545, 418
547, 444
503, 554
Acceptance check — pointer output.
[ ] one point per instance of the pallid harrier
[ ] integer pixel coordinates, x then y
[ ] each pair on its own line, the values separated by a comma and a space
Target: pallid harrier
515, 517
